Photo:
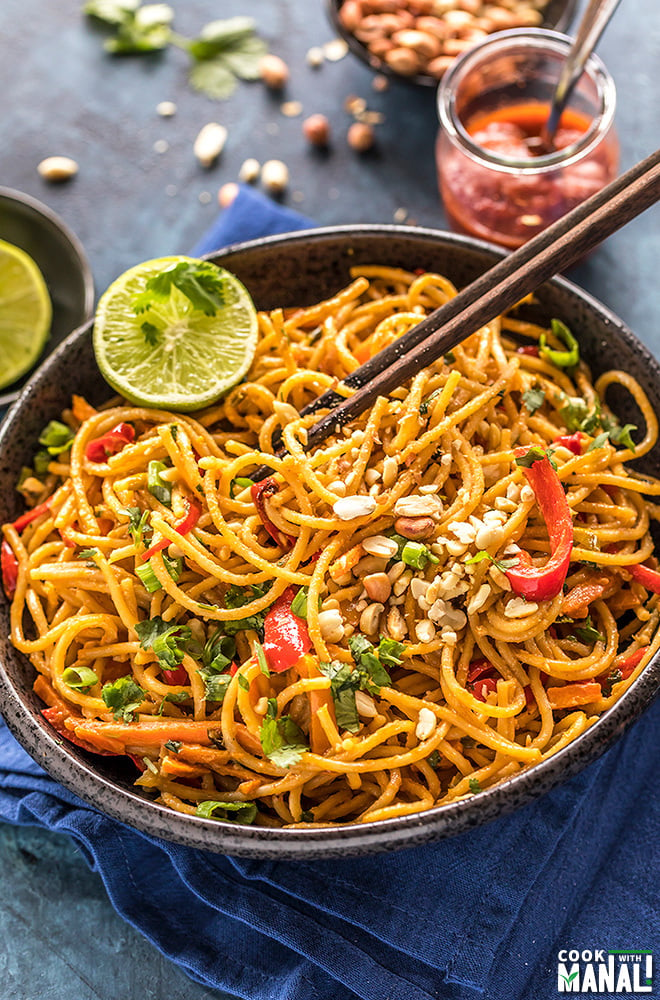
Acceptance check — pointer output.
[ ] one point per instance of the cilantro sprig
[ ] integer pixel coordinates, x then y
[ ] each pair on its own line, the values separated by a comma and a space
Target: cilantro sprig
201, 283
223, 52
123, 696
167, 640
282, 740
578, 416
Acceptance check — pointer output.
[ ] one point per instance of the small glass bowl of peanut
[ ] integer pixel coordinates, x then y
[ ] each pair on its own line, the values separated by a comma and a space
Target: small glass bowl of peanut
418, 40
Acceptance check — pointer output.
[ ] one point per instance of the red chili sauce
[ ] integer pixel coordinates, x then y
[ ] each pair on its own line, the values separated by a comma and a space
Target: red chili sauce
510, 208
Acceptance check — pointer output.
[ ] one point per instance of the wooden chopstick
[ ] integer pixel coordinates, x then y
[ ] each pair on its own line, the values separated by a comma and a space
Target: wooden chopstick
498, 289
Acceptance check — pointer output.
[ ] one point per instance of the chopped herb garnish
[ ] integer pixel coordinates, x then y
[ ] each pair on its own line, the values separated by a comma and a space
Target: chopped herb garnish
425, 404
534, 398
138, 525
243, 682
578, 417
41, 462
536, 454
433, 759
586, 632
236, 597
174, 431
344, 682
151, 333
201, 283
89, 554
450, 358
136, 29
79, 678
307, 816
176, 697
123, 696
561, 359
609, 682
417, 555
232, 812
215, 685
261, 659
167, 640
474, 785
373, 674
599, 441
159, 488
282, 741
173, 746
502, 564
299, 603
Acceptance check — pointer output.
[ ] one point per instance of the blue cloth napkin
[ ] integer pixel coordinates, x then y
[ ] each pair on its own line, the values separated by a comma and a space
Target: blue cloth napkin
481, 915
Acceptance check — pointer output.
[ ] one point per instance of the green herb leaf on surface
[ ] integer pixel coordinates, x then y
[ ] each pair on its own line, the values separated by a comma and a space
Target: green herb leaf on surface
282, 741
231, 812
123, 696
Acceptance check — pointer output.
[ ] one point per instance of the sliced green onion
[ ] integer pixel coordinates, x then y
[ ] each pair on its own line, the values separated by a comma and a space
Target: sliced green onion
56, 437
148, 577
157, 486
561, 359
417, 555
174, 566
299, 603
261, 659
79, 678
239, 484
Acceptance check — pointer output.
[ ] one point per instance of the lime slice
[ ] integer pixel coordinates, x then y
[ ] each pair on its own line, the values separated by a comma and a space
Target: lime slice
172, 355
25, 313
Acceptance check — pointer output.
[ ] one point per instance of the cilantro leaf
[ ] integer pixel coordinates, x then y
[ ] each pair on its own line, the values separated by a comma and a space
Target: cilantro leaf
173, 745
138, 524
609, 682
243, 812
587, 633
433, 759
123, 696
502, 564
236, 597
475, 785
151, 333
371, 671
344, 682
88, 554
220, 35
164, 638
56, 437
534, 398
598, 441
282, 741
213, 78
215, 685
535, 454
617, 434
111, 12
200, 282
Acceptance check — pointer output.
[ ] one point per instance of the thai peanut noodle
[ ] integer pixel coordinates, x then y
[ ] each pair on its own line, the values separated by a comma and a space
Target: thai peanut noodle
480, 682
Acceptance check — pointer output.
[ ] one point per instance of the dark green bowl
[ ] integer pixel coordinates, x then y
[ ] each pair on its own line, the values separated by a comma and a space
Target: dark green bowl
59, 255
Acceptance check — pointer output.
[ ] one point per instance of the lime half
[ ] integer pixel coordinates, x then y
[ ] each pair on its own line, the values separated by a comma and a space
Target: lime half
175, 333
25, 313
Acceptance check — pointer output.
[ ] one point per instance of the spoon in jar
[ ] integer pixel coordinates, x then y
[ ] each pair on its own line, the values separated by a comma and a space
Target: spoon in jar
592, 25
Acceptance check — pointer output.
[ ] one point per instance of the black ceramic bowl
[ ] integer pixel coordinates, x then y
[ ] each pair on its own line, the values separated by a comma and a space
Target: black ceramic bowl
558, 16
287, 271
59, 255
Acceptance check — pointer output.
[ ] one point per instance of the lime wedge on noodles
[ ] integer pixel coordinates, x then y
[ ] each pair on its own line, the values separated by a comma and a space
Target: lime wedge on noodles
25, 313
175, 333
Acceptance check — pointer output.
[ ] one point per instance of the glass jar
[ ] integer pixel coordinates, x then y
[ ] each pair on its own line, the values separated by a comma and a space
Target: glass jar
492, 105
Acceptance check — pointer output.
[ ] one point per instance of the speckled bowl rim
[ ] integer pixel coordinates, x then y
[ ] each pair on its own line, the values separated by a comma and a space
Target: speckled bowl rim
80, 777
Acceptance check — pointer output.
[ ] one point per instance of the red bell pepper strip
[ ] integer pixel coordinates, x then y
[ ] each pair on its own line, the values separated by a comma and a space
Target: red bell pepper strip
480, 668
483, 687
31, 515
188, 523
109, 444
542, 583
649, 578
56, 718
260, 493
177, 675
286, 636
9, 567
530, 349
628, 665
571, 441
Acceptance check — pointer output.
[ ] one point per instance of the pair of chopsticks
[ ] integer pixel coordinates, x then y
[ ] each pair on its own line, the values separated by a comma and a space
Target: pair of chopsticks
495, 291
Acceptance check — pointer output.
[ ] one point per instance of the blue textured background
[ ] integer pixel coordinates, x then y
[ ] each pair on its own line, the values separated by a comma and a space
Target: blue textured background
62, 95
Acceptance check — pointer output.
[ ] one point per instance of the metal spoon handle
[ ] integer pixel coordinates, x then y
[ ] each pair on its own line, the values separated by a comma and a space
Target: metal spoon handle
591, 27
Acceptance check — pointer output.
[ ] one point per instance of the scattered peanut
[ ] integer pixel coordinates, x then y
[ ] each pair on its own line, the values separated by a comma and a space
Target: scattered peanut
426, 723
378, 586
209, 143
346, 508
396, 624
316, 130
166, 109
275, 176
57, 169
249, 171
370, 617
416, 528
273, 71
360, 137
331, 625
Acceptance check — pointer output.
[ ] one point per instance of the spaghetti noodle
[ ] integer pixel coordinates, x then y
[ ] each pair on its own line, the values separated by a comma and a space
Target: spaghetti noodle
443, 593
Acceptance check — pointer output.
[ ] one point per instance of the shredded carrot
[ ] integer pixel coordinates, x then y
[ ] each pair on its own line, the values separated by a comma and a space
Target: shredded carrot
577, 600
179, 769
307, 666
572, 695
81, 409
146, 732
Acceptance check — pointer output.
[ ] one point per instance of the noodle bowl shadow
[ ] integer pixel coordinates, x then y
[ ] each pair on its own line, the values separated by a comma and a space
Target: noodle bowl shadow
291, 271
